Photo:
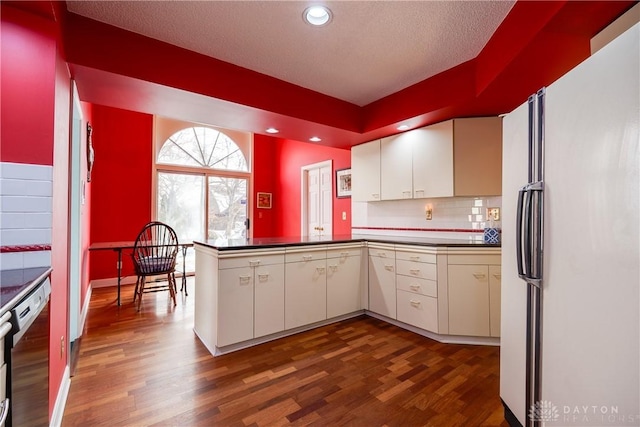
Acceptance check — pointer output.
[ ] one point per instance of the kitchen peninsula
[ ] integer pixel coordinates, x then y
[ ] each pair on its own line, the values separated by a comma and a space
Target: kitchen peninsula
252, 291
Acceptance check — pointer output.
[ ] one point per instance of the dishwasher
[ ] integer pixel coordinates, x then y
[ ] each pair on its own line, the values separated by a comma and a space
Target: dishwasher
28, 363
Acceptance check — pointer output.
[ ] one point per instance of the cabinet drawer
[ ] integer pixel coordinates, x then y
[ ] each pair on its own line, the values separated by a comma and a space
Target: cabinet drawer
418, 310
382, 253
417, 286
344, 252
420, 270
416, 257
305, 256
250, 261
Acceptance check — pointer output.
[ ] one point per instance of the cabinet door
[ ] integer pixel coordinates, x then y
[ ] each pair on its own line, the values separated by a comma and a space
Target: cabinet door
433, 161
478, 156
365, 172
269, 300
494, 299
235, 306
382, 286
343, 285
305, 293
469, 300
396, 180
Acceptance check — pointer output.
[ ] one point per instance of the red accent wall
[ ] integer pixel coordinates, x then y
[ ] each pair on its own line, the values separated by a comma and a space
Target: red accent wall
28, 46
290, 157
120, 183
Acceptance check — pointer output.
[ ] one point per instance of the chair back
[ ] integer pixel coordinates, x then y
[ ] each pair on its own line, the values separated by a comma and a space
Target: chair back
155, 249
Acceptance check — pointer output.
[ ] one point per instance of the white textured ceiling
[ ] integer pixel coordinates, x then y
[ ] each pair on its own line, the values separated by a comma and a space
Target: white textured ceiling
370, 49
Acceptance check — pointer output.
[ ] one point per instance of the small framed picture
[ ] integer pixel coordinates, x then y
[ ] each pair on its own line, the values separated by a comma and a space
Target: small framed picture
264, 200
343, 183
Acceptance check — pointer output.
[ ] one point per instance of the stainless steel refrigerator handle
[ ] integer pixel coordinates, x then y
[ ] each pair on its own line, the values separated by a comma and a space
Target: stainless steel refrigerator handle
527, 233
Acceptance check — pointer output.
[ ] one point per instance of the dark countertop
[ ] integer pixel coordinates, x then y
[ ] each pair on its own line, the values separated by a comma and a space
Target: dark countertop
275, 242
15, 284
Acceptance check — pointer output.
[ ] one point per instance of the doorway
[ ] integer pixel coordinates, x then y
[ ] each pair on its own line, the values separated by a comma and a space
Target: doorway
317, 200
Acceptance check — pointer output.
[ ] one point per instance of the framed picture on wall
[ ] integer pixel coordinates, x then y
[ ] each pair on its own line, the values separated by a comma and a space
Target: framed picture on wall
264, 201
343, 183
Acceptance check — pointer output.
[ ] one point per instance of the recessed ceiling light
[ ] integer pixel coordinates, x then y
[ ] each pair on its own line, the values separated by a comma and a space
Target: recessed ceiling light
403, 127
272, 130
315, 139
317, 15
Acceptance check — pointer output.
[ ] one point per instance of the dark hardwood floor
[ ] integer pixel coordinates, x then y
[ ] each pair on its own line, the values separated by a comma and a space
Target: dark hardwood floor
148, 368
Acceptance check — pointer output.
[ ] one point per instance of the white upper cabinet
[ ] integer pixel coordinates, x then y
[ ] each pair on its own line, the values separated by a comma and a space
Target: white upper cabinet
396, 180
365, 172
459, 157
433, 161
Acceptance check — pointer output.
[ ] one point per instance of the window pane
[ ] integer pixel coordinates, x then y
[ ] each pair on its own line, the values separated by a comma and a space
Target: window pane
227, 208
181, 206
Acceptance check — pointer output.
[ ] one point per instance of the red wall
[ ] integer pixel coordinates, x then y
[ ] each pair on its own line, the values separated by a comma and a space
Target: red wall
120, 183
28, 46
291, 156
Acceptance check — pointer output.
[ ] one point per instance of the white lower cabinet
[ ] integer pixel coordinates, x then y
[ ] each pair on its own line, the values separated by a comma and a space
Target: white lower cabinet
494, 299
344, 281
469, 300
235, 306
382, 282
417, 289
305, 296
268, 300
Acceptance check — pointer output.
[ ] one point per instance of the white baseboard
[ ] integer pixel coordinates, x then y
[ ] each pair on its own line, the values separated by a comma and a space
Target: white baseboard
85, 310
61, 400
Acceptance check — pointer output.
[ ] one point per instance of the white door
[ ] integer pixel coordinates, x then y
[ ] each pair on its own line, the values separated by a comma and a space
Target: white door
317, 200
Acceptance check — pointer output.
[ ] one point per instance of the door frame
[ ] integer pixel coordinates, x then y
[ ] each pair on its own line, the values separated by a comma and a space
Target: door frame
304, 183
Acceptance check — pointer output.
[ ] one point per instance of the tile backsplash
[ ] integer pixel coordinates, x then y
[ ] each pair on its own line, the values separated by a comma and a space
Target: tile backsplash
25, 215
451, 217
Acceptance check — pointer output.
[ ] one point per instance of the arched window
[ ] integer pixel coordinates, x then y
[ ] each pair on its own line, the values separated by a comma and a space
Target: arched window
202, 181
202, 147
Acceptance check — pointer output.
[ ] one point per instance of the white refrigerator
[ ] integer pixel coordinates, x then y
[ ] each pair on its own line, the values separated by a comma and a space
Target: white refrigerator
570, 345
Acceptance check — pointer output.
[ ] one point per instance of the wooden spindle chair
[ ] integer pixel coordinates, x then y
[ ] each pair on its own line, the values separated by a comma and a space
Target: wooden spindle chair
154, 253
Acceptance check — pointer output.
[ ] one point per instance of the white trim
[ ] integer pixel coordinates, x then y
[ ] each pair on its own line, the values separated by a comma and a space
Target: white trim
85, 310
304, 177
61, 399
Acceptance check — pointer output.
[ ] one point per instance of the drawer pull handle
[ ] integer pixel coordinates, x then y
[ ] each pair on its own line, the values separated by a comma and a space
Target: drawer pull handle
388, 267
307, 257
414, 258
245, 279
320, 270
415, 271
479, 276
415, 287
375, 195
382, 254
254, 263
263, 277
414, 302
345, 254
333, 267
497, 276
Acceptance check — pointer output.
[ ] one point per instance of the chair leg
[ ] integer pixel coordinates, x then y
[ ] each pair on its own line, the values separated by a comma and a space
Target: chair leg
172, 287
140, 290
135, 291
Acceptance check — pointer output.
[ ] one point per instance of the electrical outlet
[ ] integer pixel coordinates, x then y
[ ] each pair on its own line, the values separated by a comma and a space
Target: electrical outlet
344, 216
493, 213
61, 347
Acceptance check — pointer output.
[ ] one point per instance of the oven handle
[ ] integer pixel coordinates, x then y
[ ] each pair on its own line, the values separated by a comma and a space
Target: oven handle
5, 411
